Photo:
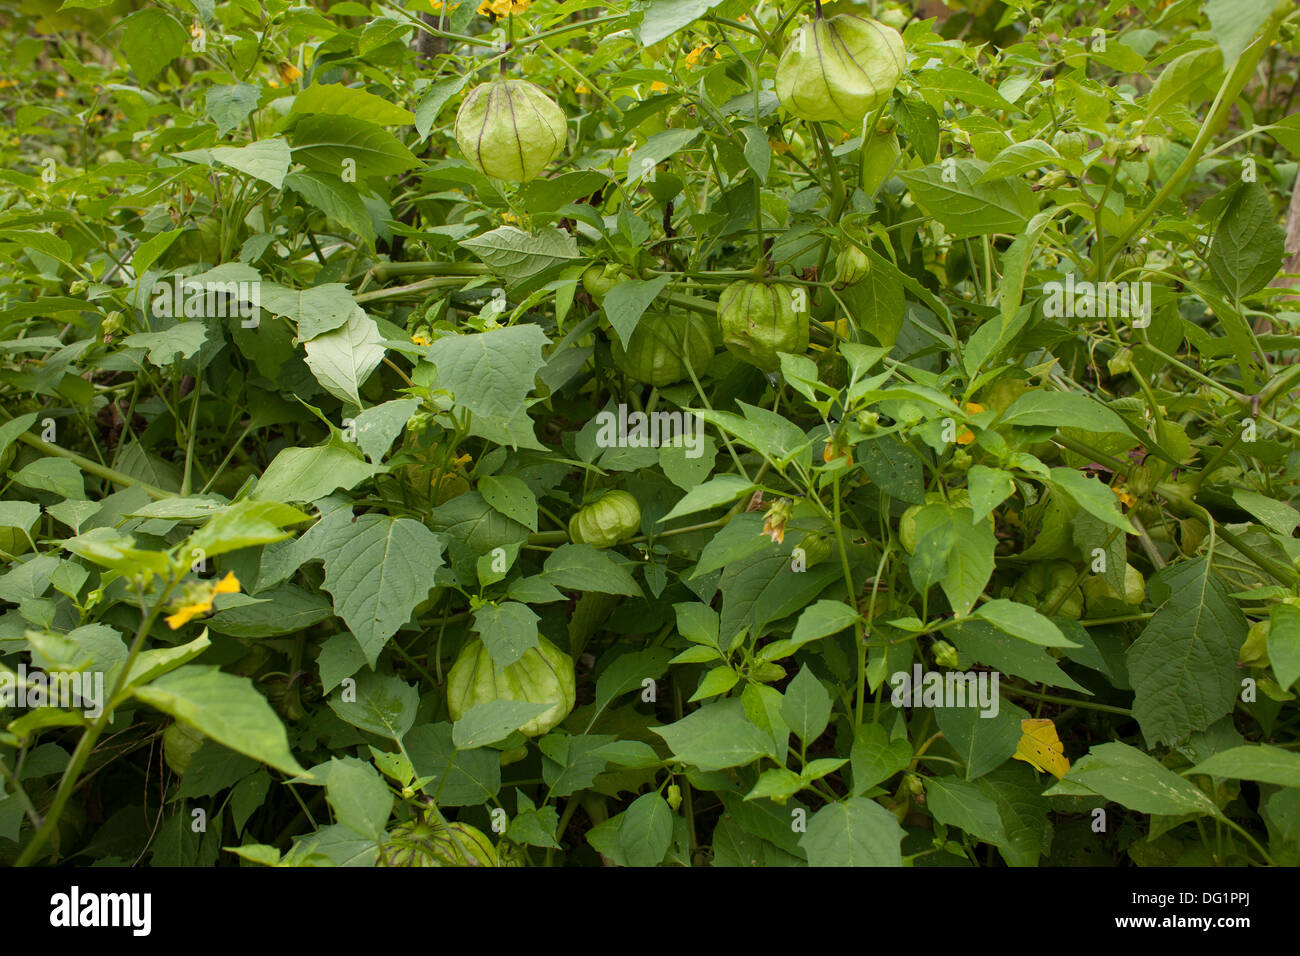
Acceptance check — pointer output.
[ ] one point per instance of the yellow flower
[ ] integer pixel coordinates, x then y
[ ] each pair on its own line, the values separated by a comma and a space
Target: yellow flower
288, 72
968, 436
658, 86
582, 88
1123, 495
227, 585
779, 146
201, 602
693, 58
504, 8
420, 340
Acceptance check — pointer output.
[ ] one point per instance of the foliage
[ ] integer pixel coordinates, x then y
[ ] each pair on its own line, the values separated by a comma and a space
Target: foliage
299, 404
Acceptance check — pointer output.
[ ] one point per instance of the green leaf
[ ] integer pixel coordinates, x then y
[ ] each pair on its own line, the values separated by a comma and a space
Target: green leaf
986, 644
1234, 23
460, 778
894, 468
329, 144
376, 428
580, 567
309, 474
854, 832
646, 831
656, 150
379, 575
1284, 643
628, 671
516, 255
1022, 621
226, 708
510, 496
509, 631
966, 806
1253, 762
989, 487
716, 736
952, 193
1273, 514
982, 741
955, 551
243, 525
150, 41
663, 18
359, 797
183, 339
227, 106
1137, 781
492, 721
378, 704
874, 757
1183, 666
347, 101
58, 476
717, 681
806, 706
338, 200
490, 375
343, 359
1185, 79
266, 159
284, 610
1092, 496
1061, 409
717, 491
818, 621
1248, 245
314, 311
625, 303
1020, 158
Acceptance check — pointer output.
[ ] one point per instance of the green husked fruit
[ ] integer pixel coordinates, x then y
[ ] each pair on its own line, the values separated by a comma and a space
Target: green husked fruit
840, 69
510, 129
605, 522
544, 675
1070, 145
851, 265
1045, 583
430, 844
758, 320
180, 743
599, 279
1102, 599
662, 345
817, 547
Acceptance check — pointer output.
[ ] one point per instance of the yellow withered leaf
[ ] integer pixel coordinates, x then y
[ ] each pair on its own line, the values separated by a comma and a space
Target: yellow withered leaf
1041, 748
